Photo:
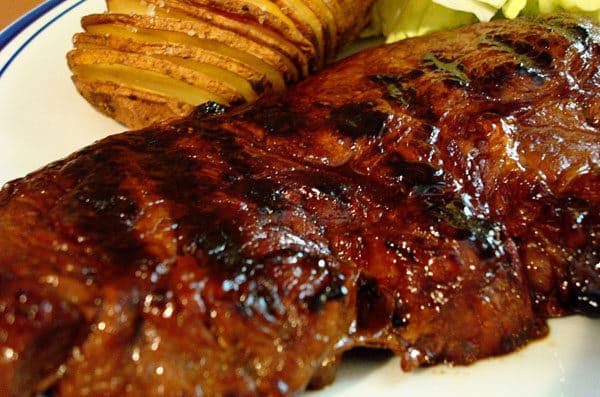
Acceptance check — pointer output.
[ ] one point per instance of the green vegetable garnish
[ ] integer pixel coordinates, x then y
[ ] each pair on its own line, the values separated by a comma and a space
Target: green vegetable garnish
399, 19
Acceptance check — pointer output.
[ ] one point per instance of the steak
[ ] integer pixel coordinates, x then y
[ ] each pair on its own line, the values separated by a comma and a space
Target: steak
439, 197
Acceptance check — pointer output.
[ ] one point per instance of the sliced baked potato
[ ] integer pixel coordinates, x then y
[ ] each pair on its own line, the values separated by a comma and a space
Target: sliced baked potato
146, 61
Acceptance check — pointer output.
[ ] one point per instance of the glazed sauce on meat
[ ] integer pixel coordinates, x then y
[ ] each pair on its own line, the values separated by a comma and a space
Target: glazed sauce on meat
438, 198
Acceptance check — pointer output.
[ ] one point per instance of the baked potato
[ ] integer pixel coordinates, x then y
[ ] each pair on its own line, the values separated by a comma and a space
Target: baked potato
146, 61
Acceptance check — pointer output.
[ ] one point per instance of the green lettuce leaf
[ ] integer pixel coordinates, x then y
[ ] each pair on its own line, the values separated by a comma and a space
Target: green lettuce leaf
400, 19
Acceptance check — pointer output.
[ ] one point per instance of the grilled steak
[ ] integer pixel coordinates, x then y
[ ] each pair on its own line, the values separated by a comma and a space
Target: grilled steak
439, 197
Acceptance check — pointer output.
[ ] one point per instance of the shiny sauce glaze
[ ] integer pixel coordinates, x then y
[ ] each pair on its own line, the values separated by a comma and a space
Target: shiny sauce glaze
438, 197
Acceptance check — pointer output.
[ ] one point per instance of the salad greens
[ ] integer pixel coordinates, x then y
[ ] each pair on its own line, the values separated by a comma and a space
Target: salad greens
399, 19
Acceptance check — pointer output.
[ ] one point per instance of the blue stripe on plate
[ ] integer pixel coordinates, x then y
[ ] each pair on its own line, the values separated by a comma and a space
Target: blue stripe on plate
13, 30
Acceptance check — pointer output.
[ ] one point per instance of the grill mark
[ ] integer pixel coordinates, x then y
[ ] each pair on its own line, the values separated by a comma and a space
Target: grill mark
373, 306
276, 119
192, 184
103, 210
216, 235
530, 60
583, 40
359, 119
181, 186
215, 231
266, 194
334, 186
334, 290
412, 174
229, 150
401, 90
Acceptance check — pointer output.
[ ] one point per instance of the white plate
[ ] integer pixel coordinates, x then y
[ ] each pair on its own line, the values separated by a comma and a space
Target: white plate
42, 118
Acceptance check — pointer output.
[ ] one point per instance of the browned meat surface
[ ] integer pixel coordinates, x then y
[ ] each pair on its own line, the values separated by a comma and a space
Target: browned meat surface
439, 197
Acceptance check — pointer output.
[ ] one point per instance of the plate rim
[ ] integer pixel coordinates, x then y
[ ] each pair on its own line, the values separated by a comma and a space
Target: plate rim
12, 31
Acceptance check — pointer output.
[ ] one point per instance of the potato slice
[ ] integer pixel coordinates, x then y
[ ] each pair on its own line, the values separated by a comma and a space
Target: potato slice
247, 28
127, 39
202, 35
133, 107
262, 12
265, 12
154, 82
234, 83
175, 54
307, 22
229, 68
325, 16
127, 67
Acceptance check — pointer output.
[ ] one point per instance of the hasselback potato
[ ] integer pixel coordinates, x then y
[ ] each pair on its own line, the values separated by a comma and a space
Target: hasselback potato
146, 61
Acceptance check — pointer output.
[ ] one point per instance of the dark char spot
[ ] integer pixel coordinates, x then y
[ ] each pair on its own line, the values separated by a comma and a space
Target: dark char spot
209, 109
413, 173
335, 290
359, 119
277, 120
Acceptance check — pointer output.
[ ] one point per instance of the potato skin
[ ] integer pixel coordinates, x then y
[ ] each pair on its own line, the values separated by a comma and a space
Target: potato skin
132, 107
231, 50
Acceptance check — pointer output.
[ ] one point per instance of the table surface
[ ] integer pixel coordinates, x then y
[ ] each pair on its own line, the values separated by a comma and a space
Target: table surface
13, 9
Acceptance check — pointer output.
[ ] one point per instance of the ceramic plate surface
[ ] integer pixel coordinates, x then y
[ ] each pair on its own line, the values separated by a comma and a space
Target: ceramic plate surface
42, 118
